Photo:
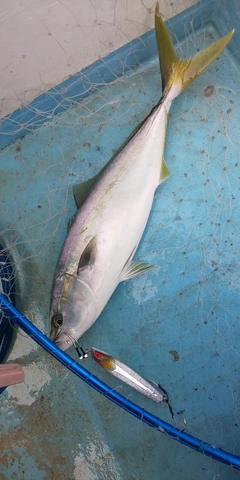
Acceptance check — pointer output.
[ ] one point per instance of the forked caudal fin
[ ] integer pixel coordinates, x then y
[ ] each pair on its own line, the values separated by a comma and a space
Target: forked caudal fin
175, 71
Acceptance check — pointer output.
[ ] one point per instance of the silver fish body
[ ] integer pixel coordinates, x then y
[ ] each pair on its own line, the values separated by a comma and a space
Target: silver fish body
98, 250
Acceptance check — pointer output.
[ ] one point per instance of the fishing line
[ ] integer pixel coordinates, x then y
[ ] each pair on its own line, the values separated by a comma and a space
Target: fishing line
82, 354
165, 398
143, 415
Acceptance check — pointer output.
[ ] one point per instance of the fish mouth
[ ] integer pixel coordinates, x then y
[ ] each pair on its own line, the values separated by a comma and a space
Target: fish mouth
69, 341
62, 344
62, 340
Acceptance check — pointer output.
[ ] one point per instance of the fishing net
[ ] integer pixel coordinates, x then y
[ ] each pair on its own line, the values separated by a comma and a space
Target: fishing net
179, 323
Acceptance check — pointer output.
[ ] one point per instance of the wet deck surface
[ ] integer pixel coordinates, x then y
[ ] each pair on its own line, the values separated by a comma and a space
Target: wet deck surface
177, 324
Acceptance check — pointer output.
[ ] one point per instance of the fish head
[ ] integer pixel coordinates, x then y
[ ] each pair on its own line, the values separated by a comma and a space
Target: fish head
73, 310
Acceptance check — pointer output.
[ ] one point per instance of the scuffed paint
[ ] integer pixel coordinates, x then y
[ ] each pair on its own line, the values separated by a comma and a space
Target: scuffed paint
35, 378
23, 345
54, 437
143, 289
83, 469
95, 461
47, 438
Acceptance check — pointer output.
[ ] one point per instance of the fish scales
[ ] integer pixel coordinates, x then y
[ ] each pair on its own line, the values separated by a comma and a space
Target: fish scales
98, 250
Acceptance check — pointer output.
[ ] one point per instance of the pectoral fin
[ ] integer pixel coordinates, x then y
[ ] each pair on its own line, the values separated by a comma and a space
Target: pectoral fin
133, 269
88, 255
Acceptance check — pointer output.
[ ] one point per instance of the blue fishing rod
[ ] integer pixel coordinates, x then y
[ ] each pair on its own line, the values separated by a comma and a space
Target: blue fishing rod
143, 415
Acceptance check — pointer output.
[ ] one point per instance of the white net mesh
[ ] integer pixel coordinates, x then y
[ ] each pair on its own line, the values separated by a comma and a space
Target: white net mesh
177, 324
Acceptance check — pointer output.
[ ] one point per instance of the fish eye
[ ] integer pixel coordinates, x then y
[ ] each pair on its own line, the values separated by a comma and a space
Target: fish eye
57, 320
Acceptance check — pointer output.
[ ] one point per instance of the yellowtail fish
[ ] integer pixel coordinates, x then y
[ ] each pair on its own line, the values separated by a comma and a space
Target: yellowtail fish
126, 375
114, 206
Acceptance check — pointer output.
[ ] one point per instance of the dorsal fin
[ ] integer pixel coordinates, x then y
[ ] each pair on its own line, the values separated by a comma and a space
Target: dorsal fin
88, 255
82, 190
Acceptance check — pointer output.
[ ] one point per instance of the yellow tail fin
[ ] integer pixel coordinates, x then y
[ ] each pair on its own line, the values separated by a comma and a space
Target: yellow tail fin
182, 72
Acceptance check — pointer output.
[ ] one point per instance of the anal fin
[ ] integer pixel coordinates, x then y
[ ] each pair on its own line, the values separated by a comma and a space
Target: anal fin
164, 172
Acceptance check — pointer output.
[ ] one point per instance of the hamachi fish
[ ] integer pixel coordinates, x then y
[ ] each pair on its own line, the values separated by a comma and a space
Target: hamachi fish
114, 206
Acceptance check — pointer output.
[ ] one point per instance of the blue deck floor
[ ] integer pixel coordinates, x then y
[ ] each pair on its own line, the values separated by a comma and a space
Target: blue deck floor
54, 426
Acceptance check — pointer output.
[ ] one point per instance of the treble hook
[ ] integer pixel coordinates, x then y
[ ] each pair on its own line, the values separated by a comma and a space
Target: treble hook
165, 397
